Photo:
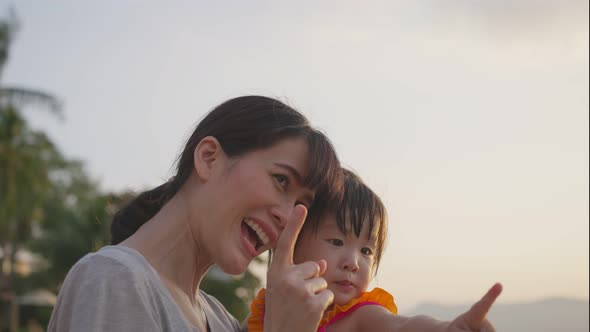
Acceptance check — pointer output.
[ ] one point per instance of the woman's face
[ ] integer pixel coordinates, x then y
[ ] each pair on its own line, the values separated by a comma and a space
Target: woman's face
250, 200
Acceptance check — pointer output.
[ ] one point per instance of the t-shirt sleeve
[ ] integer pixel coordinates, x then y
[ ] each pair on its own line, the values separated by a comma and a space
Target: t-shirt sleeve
102, 294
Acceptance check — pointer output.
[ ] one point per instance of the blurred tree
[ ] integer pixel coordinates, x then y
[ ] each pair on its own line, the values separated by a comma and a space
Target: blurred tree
76, 222
26, 160
234, 292
19, 96
26, 156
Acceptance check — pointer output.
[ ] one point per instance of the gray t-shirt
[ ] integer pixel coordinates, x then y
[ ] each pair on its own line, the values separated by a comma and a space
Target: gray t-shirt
116, 289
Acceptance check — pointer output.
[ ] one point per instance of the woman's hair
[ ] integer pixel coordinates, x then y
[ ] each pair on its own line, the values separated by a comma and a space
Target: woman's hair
359, 205
241, 125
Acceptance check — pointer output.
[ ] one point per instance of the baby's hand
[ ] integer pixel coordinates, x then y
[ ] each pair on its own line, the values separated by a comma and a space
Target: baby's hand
475, 318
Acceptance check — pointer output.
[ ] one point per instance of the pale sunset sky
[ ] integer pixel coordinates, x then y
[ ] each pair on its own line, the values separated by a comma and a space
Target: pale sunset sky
469, 118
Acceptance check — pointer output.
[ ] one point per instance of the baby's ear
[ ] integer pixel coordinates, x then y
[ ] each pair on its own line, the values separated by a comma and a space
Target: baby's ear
207, 156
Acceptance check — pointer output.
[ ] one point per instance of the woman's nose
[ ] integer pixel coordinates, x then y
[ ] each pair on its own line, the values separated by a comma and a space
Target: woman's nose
281, 214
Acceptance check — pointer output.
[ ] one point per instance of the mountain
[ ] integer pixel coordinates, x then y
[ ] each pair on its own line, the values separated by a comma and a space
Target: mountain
551, 315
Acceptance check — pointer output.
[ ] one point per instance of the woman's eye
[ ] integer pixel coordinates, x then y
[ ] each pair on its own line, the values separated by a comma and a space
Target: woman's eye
282, 180
367, 251
336, 242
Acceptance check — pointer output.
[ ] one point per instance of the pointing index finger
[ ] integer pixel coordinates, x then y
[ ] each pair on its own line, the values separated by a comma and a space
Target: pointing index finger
479, 310
283, 255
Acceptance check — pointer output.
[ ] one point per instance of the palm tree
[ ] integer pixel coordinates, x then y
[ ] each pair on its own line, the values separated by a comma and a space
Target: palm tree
18, 95
26, 160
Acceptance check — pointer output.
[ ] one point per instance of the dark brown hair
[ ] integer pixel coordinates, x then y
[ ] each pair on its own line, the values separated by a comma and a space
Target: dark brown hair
241, 125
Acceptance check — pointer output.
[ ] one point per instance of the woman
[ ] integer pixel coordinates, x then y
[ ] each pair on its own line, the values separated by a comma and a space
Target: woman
244, 182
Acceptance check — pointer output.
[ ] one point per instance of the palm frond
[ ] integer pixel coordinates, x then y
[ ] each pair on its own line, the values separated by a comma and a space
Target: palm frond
20, 97
8, 29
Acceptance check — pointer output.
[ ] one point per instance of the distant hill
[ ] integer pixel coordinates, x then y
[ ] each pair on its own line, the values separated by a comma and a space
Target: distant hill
551, 315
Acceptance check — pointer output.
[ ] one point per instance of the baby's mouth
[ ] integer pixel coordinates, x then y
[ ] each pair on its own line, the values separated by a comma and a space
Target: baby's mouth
345, 283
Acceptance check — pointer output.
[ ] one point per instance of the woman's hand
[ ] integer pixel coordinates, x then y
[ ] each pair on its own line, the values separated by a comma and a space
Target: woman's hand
475, 318
296, 295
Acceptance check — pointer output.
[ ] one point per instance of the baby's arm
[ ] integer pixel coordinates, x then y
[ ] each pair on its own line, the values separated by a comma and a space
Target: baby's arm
377, 318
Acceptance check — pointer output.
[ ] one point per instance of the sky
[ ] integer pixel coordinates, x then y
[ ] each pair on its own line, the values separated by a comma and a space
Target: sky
469, 118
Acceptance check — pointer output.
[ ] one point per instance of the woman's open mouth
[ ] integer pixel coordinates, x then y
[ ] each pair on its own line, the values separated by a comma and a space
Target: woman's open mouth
254, 234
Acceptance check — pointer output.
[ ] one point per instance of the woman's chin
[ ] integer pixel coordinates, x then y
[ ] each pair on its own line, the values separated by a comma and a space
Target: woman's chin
235, 267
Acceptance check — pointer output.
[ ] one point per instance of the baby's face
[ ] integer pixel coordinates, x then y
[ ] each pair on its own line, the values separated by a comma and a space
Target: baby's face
350, 259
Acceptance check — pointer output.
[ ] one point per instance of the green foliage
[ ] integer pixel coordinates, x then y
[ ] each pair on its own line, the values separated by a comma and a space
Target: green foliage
27, 160
234, 292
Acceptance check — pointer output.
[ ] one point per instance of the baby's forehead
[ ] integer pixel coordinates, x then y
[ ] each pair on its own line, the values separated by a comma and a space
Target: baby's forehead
329, 224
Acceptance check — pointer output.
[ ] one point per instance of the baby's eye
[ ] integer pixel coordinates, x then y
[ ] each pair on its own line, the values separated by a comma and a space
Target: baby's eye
336, 242
367, 251
282, 180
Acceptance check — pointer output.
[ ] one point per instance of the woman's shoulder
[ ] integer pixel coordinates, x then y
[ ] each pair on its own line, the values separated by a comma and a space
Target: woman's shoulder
106, 287
110, 264
118, 255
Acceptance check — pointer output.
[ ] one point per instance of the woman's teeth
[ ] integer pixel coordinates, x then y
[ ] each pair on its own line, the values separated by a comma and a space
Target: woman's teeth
261, 234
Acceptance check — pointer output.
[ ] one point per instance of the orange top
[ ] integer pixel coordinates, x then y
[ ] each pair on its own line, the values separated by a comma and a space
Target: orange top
377, 296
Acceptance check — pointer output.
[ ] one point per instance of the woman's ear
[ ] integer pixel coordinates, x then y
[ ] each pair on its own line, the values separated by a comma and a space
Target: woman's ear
207, 156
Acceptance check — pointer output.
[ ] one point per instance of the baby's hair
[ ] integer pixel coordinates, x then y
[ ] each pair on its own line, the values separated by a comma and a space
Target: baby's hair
359, 204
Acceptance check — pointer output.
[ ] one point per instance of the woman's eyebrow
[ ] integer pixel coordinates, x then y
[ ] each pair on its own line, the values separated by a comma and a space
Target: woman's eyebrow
294, 172
298, 178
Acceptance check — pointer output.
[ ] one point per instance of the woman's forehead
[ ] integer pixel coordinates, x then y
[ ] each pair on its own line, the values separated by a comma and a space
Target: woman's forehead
291, 153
